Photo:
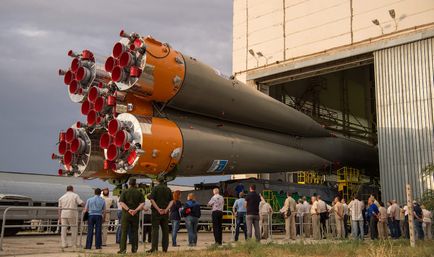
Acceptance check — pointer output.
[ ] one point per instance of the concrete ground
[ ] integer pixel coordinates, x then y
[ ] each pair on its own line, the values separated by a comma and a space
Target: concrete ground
49, 245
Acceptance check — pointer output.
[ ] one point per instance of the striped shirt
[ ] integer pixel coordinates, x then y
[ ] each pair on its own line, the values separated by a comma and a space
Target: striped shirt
356, 209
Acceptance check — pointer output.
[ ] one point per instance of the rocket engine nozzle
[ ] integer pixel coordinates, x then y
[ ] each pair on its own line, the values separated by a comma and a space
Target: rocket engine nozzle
76, 154
128, 146
83, 73
146, 67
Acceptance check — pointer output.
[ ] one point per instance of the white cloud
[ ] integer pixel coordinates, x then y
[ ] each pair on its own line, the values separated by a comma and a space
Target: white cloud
31, 32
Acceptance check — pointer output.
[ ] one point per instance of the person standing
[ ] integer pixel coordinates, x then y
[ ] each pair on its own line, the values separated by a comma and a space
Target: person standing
132, 201
395, 212
315, 219
323, 215
95, 206
68, 215
265, 212
108, 204
299, 216
217, 202
175, 217
252, 205
418, 220
427, 221
289, 212
338, 209
147, 215
373, 214
345, 206
239, 209
119, 215
356, 209
191, 212
161, 199
382, 222
307, 220
405, 226
390, 219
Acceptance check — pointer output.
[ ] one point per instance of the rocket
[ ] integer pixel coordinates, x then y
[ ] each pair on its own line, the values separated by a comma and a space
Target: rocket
152, 111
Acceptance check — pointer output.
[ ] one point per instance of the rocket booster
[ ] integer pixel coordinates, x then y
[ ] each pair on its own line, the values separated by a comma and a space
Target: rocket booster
153, 111
155, 71
135, 144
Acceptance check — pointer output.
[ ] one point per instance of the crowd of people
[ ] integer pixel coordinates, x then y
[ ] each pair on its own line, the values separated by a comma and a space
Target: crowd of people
309, 219
317, 219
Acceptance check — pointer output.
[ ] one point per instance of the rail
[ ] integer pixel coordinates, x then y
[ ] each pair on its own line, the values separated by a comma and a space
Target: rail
275, 222
182, 222
79, 224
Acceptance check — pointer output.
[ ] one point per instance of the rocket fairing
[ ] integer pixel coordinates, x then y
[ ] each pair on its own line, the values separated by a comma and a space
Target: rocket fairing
153, 111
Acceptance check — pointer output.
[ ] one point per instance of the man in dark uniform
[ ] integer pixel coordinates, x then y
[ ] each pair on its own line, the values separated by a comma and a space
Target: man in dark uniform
132, 201
161, 199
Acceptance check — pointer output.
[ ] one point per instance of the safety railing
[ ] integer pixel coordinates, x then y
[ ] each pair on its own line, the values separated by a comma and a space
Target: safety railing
275, 222
202, 222
33, 214
81, 228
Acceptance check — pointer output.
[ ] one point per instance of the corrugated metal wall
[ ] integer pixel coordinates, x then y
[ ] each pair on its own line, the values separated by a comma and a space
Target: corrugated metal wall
404, 93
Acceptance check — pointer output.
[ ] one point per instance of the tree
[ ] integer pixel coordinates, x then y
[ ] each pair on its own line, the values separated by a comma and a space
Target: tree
427, 198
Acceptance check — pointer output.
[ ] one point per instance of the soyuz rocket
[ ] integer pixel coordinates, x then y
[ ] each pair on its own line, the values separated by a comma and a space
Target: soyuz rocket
153, 111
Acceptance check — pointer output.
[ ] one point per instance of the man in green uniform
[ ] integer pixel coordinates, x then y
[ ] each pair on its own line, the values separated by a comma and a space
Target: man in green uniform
131, 201
161, 200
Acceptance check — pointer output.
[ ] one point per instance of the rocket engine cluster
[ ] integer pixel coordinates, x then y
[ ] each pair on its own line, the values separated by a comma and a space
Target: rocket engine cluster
153, 111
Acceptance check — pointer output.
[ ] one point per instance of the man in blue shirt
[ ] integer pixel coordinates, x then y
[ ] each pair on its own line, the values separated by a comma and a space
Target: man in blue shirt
239, 209
373, 219
95, 206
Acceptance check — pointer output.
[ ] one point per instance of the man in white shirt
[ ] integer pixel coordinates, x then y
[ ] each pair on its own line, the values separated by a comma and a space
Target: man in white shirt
299, 208
265, 212
315, 219
108, 203
69, 200
306, 218
147, 229
427, 222
395, 214
323, 214
217, 203
338, 210
356, 209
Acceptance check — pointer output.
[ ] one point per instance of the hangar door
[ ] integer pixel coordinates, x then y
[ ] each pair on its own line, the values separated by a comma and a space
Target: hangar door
405, 116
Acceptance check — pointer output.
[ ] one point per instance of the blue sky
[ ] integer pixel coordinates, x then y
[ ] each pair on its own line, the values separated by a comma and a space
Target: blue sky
36, 35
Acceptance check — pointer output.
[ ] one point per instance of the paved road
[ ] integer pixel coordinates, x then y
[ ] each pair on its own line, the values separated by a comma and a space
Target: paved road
49, 245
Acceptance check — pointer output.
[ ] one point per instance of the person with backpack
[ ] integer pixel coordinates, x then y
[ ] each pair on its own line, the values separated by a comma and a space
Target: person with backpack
191, 212
289, 212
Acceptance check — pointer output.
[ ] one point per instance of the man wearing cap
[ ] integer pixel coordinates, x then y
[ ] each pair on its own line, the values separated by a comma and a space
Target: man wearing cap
161, 199
132, 201
108, 204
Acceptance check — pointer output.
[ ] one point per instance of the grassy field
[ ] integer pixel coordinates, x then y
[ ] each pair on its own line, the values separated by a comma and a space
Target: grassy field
399, 248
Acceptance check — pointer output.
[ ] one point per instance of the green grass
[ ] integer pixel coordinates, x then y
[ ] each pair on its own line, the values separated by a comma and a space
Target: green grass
396, 248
